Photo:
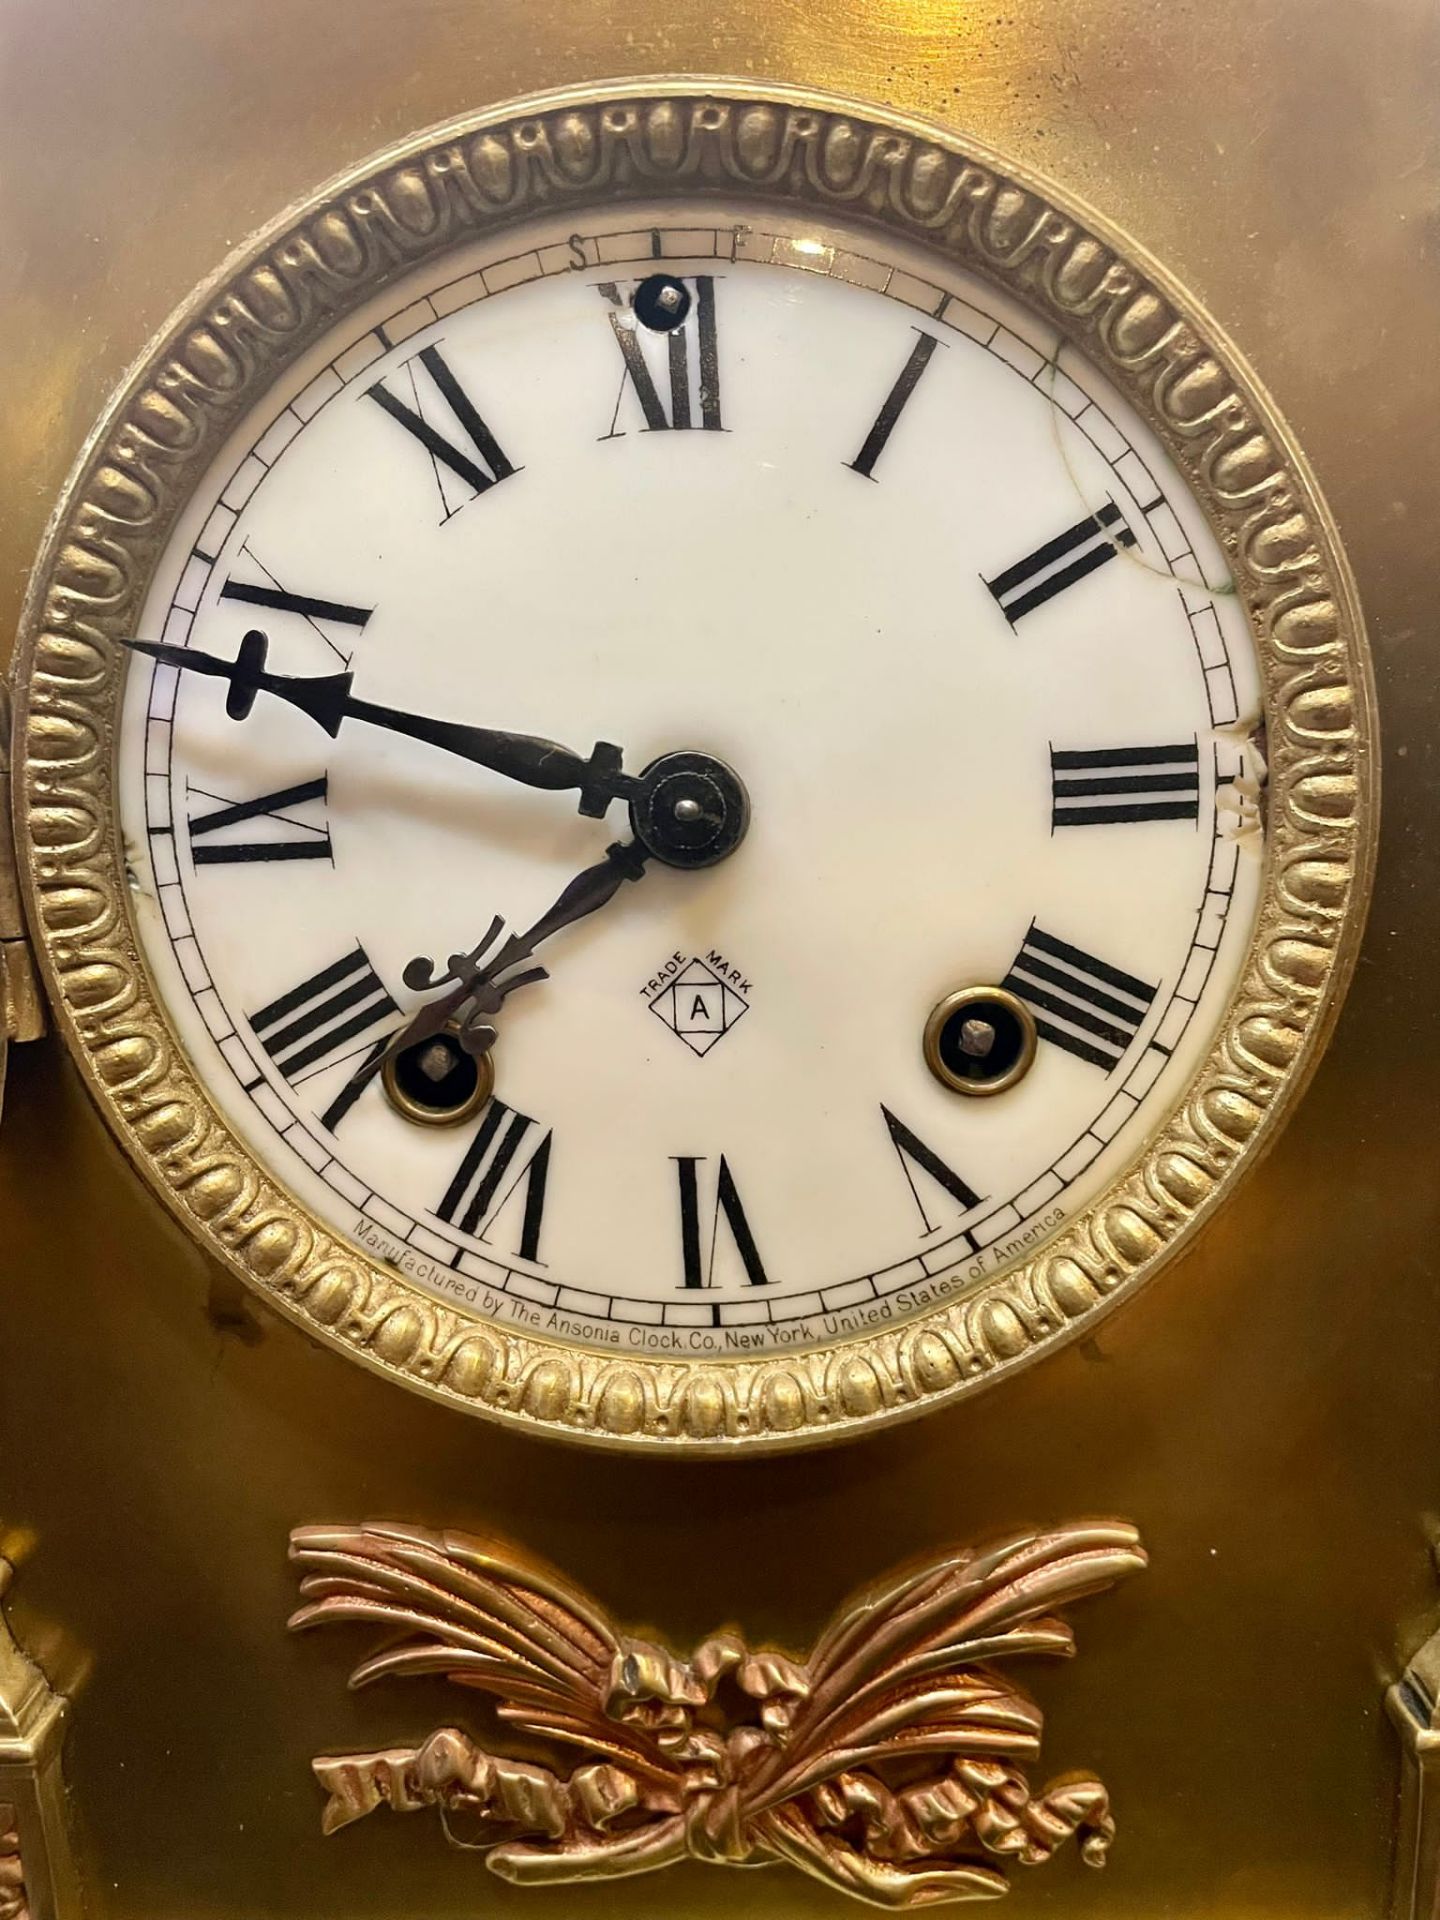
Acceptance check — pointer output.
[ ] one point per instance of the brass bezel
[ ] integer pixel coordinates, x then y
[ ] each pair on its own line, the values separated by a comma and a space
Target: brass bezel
939, 1018
807, 152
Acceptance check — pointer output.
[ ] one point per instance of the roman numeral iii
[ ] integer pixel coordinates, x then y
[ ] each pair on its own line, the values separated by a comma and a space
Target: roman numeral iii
280, 830
687, 393
1092, 542
480, 464
503, 1141
700, 1224
1082, 1004
313, 1023
1104, 786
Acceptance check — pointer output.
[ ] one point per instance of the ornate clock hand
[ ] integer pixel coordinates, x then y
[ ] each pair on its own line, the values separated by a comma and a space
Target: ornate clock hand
482, 987
328, 701
687, 809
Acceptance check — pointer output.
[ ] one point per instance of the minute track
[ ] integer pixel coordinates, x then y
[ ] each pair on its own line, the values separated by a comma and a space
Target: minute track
995, 1219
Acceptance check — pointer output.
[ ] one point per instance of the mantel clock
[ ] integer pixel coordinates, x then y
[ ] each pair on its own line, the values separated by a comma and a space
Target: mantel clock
690, 770
964, 818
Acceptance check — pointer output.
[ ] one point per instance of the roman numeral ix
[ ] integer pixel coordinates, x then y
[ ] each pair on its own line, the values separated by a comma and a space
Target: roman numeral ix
480, 469
1082, 1004
292, 838
1070, 556
1103, 786
700, 1236
691, 378
314, 1022
478, 1191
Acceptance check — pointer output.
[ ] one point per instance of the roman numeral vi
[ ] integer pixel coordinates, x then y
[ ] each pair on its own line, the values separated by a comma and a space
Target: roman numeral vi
697, 1244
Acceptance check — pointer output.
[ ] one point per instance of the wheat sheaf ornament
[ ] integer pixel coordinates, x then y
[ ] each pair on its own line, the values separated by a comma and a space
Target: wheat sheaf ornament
887, 1764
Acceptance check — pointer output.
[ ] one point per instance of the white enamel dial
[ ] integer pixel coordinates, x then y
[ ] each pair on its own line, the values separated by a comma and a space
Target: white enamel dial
872, 538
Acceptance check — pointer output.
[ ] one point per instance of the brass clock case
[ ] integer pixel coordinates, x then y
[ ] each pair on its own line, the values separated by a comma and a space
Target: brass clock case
757, 146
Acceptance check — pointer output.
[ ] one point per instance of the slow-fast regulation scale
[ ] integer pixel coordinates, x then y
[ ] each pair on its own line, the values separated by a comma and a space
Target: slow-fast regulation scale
693, 767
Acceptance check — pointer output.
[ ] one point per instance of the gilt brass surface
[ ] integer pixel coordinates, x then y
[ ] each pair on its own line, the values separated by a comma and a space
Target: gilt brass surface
1281, 158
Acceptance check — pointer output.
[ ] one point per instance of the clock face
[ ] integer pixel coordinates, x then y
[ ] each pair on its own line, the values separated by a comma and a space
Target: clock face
825, 512
646, 795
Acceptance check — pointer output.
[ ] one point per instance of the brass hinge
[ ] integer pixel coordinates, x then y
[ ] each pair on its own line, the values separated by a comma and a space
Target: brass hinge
22, 1008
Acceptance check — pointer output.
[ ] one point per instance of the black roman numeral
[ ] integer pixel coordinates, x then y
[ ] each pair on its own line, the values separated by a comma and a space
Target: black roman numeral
691, 378
354, 1086
1100, 786
293, 839
476, 1195
1089, 544
312, 1023
304, 604
1082, 1004
443, 452
698, 1259
912, 1153
905, 385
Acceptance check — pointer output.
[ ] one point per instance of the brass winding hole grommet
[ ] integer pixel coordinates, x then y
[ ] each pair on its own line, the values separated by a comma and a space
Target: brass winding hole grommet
980, 1040
436, 1083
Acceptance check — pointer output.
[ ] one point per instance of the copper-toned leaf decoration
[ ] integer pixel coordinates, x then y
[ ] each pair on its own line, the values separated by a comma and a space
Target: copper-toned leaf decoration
888, 1764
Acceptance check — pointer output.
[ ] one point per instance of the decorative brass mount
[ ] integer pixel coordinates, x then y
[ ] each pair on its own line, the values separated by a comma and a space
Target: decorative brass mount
885, 1764
1413, 1704
37, 1874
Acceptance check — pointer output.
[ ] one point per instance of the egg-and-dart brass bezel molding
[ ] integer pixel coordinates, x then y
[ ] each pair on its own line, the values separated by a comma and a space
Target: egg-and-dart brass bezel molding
761, 143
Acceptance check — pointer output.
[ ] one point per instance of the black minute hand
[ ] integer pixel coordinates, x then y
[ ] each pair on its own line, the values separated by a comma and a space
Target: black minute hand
328, 701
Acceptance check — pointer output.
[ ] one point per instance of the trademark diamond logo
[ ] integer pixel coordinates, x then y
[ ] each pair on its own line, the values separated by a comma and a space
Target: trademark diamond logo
699, 1006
